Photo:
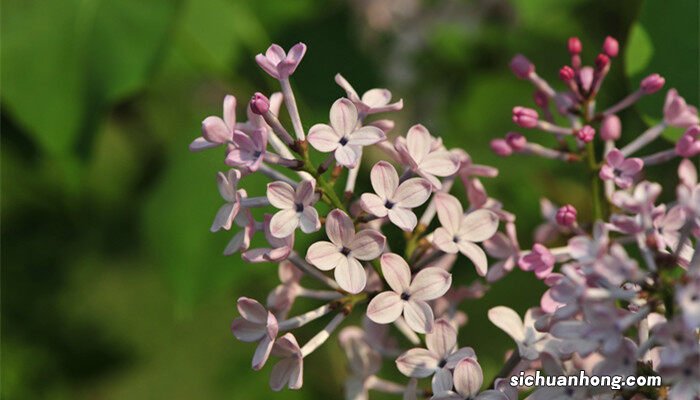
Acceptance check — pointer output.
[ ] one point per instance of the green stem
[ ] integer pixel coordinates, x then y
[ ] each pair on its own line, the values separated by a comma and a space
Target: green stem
596, 184
321, 181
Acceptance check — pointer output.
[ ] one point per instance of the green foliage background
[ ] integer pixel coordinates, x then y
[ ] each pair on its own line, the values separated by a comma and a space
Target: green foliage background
112, 285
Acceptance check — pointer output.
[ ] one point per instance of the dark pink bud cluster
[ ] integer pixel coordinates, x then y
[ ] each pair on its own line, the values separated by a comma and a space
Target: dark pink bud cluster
585, 134
521, 66
259, 104
566, 215
525, 117
652, 83
611, 47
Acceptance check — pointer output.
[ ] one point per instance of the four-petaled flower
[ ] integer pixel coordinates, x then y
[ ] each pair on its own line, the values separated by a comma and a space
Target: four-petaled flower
279, 64
425, 156
343, 136
289, 371
217, 131
228, 188
296, 208
373, 101
255, 324
620, 170
247, 151
393, 199
459, 232
345, 250
408, 297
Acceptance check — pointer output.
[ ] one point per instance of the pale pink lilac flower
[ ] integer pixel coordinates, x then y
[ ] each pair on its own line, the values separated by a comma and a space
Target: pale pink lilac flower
440, 356
667, 226
228, 188
408, 296
393, 199
240, 242
247, 151
689, 144
460, 232
677, 113
502, 391
619, 169
363, 361
289, 370
468, 378
530, 341
540, 260
282, 297
425, 156
622, 361
279, 248
506, 249
553, 367
372, 101
296, 208
641, 200
277, 63
217, 131
587, 249
684, 378
343, 136
255, 324
345, 251
688, 298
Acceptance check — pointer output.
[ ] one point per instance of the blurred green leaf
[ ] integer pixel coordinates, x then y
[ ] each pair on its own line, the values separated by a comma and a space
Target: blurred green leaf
87, 54
665, 40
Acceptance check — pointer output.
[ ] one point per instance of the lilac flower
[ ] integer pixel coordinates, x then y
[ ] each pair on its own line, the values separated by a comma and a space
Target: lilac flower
619, 169
468, 378
677, 113
343, 137
345, 250
296, 208
610, 128
540, 260
420, 153
217, 131
373, 101
459, 232
393, 199
641, 200
228, 188
622, 362
255, 324
684, 378
689, 144
247, 151
438, 359
550, 229
279, 64
408, 297
688, 298
530, 341
363, 361
241, 240
566, 215
506, 249
282, 297
279, 248
289, 371
667, 226
586, 249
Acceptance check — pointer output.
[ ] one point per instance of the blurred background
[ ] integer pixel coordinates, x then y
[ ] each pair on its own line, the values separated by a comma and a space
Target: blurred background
112, 285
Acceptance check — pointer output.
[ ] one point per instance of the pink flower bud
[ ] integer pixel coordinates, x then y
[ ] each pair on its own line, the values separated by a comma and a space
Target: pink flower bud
541, 98
566, 73
259, 104
610, 128
602, 61
516, 141
501, 148
525, 117
540, 260
689, 145
652, 83
575, 46
521, 66
611, 47
585, 134
566, 215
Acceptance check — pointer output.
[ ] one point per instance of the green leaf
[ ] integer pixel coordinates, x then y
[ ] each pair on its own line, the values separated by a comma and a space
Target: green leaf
665, 40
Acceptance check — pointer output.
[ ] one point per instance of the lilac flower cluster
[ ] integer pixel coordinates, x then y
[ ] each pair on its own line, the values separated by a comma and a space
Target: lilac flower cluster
605, 312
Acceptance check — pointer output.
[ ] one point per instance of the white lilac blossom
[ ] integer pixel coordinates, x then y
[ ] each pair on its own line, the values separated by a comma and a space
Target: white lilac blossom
619, 297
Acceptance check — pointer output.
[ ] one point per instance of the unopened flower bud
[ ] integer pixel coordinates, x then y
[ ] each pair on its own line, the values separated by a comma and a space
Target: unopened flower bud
575, 46
541, 98
602, 61
525, 117
611, 47
521, 66
516, 141
566, 73
610, 128
259, 104
586, 133
652, 83
501, 148
566, 215
689, 144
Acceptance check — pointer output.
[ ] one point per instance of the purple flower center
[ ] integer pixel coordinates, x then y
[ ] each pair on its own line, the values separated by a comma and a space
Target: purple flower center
343, 141
442, 363
299, 207
405, 296
344, 251
388, 204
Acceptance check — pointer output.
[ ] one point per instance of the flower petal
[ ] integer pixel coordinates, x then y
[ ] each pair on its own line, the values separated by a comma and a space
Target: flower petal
347, 155
418, 142
215, 130
323, 138
304, 193
282, 373
324, 255
478, 226
251, 310
351, 276
442, 381
366, 136
509, 321
403, 218
385, 308
439, 163
224, 217
283, 223
430, 283
444, 241
459, 355
442, 340
343, 117
417, 363
412, 193
396, 272
281, 194
230, 111
468, 377
308, 220
373, 204
201, 143
449, 211
418, 315
376, 97
262, 352
384, 179
367, 245
475, 254
339, 228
